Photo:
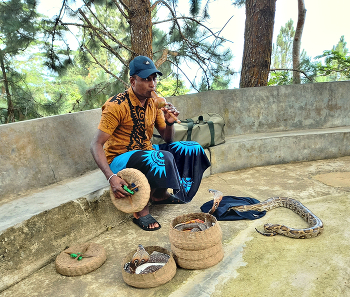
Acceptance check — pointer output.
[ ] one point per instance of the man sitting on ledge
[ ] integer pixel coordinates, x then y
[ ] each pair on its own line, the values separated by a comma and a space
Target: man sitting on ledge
123, 140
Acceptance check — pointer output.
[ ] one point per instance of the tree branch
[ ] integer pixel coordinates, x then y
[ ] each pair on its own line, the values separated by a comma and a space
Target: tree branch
162, 59
155, 5
112, 37
102, 40
191, 19
104, 68
57, 21
192, 47
101, 31
125, 3
183, 74
297, 70
120, 9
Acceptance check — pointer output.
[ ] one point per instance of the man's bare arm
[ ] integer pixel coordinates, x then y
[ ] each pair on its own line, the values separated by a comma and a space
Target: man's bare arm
96, 148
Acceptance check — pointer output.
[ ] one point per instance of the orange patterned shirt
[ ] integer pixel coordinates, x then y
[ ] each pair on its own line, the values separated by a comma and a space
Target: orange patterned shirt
129, 124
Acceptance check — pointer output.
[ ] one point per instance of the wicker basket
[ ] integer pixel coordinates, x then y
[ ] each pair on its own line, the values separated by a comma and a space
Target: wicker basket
140, 198
200, 259
95, 257
195, 240
154, 279
196, 250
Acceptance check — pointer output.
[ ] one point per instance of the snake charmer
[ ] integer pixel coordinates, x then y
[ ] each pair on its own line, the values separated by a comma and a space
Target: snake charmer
123, 140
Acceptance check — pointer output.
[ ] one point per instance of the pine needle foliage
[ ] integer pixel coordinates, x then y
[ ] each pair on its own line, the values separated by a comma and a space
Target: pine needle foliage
107, 40
18, 28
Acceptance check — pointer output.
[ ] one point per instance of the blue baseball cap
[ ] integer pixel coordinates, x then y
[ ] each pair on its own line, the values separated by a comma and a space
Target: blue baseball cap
143, 67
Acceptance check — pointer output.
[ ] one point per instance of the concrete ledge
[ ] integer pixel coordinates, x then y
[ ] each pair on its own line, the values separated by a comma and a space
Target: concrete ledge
28, 246
35, 228
262, 149
90, 186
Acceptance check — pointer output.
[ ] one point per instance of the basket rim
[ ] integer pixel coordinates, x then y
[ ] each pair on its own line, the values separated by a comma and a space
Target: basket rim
178, 221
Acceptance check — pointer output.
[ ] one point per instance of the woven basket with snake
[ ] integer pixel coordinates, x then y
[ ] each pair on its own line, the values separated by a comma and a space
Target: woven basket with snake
196, 250
154, 279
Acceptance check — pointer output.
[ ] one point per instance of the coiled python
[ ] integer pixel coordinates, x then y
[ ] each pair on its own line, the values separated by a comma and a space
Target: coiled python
315, 224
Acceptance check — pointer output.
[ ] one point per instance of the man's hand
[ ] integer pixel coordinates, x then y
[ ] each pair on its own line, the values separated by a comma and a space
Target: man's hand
168, 110
117, 184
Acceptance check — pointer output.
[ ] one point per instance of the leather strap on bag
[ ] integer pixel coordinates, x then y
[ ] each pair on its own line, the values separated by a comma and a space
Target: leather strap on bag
212, 133
190, 125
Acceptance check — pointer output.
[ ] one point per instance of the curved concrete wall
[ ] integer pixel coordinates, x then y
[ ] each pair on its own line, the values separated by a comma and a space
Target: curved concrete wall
271, 109
44, 151
40, 152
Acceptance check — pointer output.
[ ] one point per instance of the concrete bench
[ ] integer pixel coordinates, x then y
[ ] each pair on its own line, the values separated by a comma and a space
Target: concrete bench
261, 149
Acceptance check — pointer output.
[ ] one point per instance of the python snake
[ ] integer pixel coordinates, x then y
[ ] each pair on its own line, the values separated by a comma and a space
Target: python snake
315, 224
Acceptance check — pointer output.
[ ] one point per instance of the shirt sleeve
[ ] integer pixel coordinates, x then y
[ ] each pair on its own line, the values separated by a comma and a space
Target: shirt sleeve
110, 118
160, 120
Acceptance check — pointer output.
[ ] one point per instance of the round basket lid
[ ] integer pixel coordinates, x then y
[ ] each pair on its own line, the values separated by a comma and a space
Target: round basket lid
140, 198
69, 262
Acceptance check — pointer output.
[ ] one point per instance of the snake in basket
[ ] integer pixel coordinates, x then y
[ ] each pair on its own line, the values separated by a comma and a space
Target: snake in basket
315, 224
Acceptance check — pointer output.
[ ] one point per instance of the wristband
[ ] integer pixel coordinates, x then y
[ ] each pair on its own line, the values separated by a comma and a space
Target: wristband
111, 177
169, 124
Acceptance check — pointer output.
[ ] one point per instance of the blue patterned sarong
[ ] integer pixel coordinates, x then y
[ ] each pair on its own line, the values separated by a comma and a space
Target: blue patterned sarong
177, 165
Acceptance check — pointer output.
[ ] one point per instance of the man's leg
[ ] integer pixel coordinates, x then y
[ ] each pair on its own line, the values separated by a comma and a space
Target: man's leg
159, 194
190, 162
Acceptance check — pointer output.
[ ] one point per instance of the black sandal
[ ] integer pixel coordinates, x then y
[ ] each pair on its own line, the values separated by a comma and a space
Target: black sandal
145, 221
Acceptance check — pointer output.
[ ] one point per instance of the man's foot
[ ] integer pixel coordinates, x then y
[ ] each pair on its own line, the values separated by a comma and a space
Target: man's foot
147, 223
145, 220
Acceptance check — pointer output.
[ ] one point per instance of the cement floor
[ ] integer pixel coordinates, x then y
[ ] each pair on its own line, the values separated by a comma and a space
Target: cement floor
253, 265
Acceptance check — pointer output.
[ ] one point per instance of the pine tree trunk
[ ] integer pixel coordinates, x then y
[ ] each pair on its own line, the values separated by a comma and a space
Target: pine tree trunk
297, 40
260, 17
140, 20
10, 110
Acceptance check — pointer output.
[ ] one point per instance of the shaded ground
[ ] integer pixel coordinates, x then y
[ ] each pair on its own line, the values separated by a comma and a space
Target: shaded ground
335, 179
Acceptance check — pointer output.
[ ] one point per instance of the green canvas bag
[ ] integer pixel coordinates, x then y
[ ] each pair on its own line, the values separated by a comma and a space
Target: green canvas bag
207, 130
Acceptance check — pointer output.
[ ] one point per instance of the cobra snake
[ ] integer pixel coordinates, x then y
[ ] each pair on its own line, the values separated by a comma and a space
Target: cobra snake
315, 224
142, 262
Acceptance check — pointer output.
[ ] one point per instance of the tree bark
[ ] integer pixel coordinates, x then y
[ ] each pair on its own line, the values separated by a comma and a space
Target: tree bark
10, 110
140, 20
260, 18
297, 40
